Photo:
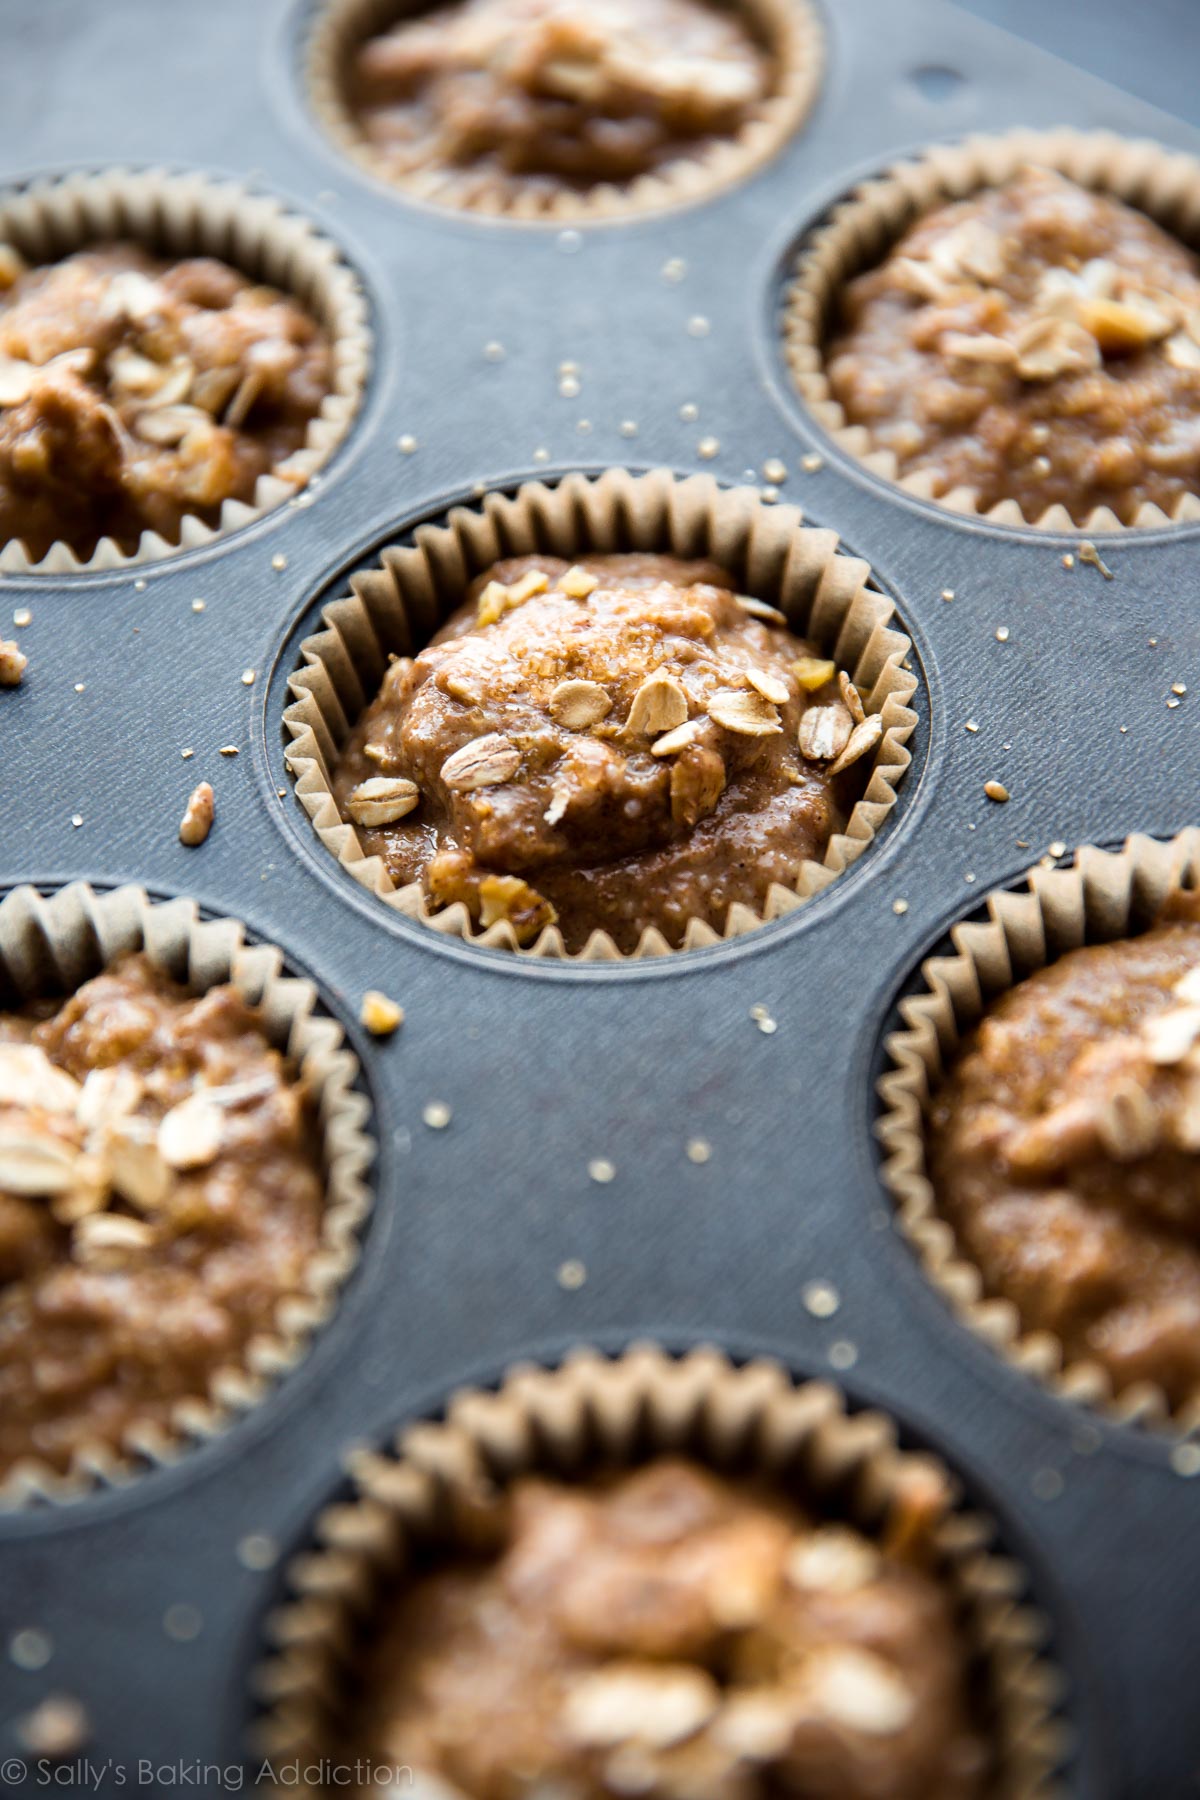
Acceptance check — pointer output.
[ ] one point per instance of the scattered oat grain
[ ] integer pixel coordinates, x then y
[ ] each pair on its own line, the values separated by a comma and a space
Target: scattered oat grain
1088, 553
689, 412
22, 617
248, 677
199, 605
972, 725
699, 1150
407, 444
899, 907
437, 1115
1002, 634
775, 470
601, 1170
698, 326
572, 1274
674, 269
707, 448
947, 594
996, 790
279, 562
812, 462
228, 750
1068, 561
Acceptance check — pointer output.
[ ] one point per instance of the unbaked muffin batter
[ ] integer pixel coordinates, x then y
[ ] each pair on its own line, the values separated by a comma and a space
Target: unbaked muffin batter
1038, 343
1065, 1152
160, 1193
609, 745
669, 1634
135, 392
558, 93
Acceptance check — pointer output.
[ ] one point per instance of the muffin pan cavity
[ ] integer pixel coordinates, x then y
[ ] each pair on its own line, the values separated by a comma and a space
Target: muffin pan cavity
677, 1146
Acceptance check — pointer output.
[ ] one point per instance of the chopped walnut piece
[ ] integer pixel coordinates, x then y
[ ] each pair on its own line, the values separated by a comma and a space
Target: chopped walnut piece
381, 1015
492, 603
507, 897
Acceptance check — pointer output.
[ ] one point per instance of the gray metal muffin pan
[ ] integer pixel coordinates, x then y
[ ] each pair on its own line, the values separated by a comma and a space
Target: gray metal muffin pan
548, 1067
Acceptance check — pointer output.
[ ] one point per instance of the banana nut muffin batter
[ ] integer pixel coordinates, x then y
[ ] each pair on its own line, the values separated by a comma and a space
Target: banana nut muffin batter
136, 392
673, 1635
550, 94
160, 1193
1065, 1152
614, 744
1037, 342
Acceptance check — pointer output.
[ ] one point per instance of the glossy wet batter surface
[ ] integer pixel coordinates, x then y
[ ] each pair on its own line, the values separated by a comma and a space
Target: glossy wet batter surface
160, 1193
609, 745
670, 1634
545, 94
136, 392
1038, 343
1065, 1152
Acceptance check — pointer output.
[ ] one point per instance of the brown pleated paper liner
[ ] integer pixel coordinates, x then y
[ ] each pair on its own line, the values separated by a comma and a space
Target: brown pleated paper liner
1105, 895
397, 606
595, 1412
790, 28
51, 946
863, 228
190, 215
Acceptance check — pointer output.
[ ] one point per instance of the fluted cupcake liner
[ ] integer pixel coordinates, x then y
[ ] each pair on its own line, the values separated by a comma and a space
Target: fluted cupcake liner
594, 1412
190, 215
398, 606
1105, 895
790, 28
50, 946
862, 230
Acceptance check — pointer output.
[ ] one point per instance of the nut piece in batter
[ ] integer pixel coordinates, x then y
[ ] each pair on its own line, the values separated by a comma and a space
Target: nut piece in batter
609, 745
136, 392
1065, 1152
670, 1634
1038, 343
552, 94
160, 1193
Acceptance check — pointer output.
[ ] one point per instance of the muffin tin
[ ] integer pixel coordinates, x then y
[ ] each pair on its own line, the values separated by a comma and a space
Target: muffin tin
152, 1600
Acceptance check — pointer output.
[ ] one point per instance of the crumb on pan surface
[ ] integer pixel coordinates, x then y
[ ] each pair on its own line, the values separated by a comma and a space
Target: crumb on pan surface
1037, 342
1064, 1150
612, 744
160, 1192
136, 392
672, 1633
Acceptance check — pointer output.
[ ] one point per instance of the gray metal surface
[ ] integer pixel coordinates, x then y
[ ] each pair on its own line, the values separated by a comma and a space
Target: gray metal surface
546, 1067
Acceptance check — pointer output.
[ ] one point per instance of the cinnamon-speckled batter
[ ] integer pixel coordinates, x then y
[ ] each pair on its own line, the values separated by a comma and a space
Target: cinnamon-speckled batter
535, 95
587, 805
677, 1636
160, 1193
1037, 342
1065, 1152
135, 392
